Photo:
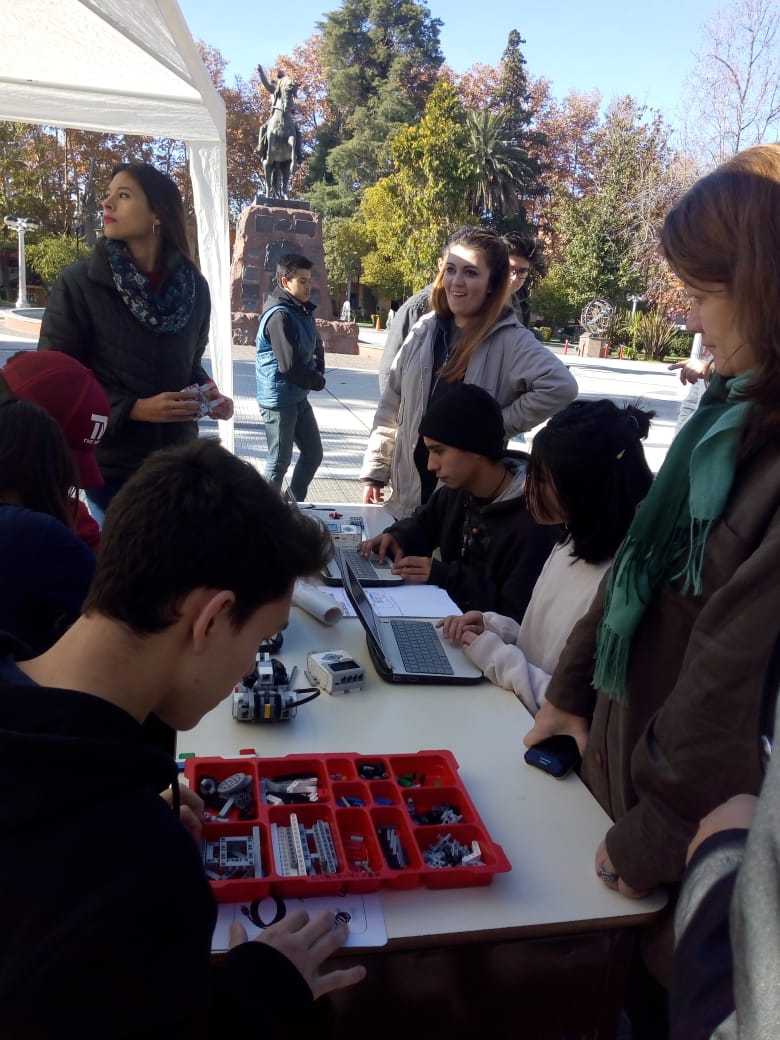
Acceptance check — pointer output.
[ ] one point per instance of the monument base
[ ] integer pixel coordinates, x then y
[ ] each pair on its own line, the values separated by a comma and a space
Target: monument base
264, 233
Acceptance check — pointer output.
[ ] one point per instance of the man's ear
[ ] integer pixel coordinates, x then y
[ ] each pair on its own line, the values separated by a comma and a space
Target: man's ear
214, 606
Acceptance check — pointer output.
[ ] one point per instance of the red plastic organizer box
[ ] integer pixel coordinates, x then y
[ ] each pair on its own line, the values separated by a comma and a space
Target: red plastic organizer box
306, 825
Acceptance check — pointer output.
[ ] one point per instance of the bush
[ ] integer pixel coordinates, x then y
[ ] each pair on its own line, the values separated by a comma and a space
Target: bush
680, 347
546, 333
656, 332
49, 255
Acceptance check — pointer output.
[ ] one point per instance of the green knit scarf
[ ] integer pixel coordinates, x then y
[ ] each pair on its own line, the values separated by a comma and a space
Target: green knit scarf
668, 534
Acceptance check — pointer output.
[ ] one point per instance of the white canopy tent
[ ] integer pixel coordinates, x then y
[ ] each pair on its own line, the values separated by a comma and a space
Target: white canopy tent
128, 66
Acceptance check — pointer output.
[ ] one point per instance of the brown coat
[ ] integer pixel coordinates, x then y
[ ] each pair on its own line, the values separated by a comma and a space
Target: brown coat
688, 738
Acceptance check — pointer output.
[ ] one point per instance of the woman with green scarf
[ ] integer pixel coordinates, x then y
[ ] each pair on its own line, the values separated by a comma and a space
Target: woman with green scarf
661, 681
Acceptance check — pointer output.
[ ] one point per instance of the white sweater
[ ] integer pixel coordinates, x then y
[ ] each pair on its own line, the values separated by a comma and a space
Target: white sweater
522, 657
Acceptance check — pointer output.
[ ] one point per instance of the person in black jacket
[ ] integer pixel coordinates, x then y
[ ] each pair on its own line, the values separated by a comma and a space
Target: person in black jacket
107, 915
137, 313
491, 550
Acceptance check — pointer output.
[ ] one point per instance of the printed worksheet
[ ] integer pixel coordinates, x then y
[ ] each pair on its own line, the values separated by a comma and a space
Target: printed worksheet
362, 914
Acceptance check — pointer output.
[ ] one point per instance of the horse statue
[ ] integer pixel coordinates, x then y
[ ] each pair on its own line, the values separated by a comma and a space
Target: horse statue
279, 146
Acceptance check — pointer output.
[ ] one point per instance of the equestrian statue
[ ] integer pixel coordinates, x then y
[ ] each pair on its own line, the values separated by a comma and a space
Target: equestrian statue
279, 146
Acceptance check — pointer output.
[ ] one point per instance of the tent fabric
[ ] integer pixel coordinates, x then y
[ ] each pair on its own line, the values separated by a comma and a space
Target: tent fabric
115, 66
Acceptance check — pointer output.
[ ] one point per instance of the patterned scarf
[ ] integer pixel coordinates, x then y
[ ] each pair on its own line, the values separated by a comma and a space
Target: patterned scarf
167, 311
668, 535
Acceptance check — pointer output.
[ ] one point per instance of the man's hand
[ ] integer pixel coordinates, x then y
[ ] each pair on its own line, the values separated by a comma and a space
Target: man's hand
456, 626
169, 407
735, 814
550, 721
383, 545
373, 495
190, 810
606, 871
307, 944
693, 370
413, 568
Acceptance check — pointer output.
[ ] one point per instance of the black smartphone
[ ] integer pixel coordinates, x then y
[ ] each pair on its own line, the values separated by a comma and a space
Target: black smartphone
556, 756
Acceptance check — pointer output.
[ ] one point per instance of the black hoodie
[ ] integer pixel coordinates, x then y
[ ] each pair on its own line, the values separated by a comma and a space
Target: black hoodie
106, 915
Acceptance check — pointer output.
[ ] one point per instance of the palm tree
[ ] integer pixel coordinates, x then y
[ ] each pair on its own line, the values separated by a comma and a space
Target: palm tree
501, 169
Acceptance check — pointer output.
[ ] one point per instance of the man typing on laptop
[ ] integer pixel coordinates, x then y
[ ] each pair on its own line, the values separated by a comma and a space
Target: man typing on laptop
491, 551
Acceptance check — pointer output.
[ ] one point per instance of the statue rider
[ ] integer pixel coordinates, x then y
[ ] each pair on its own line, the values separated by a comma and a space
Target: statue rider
282, 90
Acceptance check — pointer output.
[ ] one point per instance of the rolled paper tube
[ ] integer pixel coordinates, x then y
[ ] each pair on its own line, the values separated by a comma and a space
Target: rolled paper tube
315, 602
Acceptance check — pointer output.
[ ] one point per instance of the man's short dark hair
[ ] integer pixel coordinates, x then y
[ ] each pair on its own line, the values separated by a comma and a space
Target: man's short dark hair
518, 244
198, 516
289, 263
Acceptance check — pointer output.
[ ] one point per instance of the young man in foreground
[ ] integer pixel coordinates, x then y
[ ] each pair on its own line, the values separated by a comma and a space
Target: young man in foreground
106, 914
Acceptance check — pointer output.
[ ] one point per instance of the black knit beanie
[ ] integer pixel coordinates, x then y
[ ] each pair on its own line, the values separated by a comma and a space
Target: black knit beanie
466, 417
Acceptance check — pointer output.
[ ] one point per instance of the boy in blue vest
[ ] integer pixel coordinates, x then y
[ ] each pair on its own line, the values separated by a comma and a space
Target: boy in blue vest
290, 363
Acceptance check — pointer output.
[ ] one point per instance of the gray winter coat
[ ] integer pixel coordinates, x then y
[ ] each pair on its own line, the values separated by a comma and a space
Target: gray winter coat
527, 380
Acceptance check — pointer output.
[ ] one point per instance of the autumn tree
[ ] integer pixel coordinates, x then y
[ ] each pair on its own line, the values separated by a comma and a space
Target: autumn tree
734, 91
380, 61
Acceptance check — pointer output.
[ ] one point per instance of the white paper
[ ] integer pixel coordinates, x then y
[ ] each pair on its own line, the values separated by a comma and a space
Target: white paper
420, 601
339, 596
366, 921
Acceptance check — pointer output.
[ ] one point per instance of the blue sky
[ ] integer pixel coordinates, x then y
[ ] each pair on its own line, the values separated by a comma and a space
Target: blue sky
645, 49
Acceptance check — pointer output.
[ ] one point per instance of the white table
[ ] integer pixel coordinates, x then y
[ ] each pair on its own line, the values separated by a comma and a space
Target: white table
549, 830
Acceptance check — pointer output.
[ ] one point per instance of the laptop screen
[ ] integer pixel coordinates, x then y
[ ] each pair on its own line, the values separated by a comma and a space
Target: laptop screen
358, 599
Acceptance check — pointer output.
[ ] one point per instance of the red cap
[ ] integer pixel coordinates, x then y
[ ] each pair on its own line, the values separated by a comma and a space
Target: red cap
71, 394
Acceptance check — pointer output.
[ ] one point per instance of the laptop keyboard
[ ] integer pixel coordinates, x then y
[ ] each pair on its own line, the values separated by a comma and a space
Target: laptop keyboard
420, 648
361, 568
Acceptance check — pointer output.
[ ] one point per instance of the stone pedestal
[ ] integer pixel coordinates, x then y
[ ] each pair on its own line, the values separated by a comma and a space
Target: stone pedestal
593, 346
265, 232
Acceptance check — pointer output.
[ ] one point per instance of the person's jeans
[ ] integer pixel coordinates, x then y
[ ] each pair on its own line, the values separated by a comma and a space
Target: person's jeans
99, 499
284, 427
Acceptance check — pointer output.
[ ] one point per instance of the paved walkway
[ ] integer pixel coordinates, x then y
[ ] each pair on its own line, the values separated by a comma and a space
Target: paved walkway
345, 409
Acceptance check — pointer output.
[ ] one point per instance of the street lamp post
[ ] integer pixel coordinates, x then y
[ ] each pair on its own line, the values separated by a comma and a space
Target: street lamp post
20, 225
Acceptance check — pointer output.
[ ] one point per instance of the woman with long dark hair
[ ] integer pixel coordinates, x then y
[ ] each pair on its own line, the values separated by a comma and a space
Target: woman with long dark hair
472, 336
137, 313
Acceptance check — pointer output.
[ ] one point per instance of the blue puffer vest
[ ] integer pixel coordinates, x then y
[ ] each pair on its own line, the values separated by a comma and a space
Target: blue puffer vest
273, 389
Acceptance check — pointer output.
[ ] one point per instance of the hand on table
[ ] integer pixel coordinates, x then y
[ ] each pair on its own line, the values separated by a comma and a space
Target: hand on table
169, 407
462, 628
606, 871
412, 568
307, 944
383, 545
734, 814
551, 721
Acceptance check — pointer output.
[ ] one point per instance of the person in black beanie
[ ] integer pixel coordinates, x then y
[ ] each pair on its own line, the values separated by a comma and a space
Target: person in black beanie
490, 550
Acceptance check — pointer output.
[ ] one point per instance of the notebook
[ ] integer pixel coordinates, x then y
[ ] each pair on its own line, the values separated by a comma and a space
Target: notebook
406, 650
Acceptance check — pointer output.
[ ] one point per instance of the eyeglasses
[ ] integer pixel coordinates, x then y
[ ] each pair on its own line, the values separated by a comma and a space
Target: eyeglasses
519, 272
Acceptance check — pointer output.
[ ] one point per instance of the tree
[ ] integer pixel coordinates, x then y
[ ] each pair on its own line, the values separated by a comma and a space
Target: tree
735, 89
380, 61
602, 230
500, 168
408, 213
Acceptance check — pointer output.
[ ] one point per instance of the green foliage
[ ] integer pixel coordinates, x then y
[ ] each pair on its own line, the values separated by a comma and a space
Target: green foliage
408, 213
500, 169
380, 59
550, 297
655, 332
546, 333
49, 255
680, 346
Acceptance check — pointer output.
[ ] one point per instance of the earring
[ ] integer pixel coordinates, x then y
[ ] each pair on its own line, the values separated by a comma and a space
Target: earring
156, 227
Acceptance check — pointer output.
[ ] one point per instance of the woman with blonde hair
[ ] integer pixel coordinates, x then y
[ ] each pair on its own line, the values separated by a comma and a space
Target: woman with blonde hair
661, 680
472, 336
